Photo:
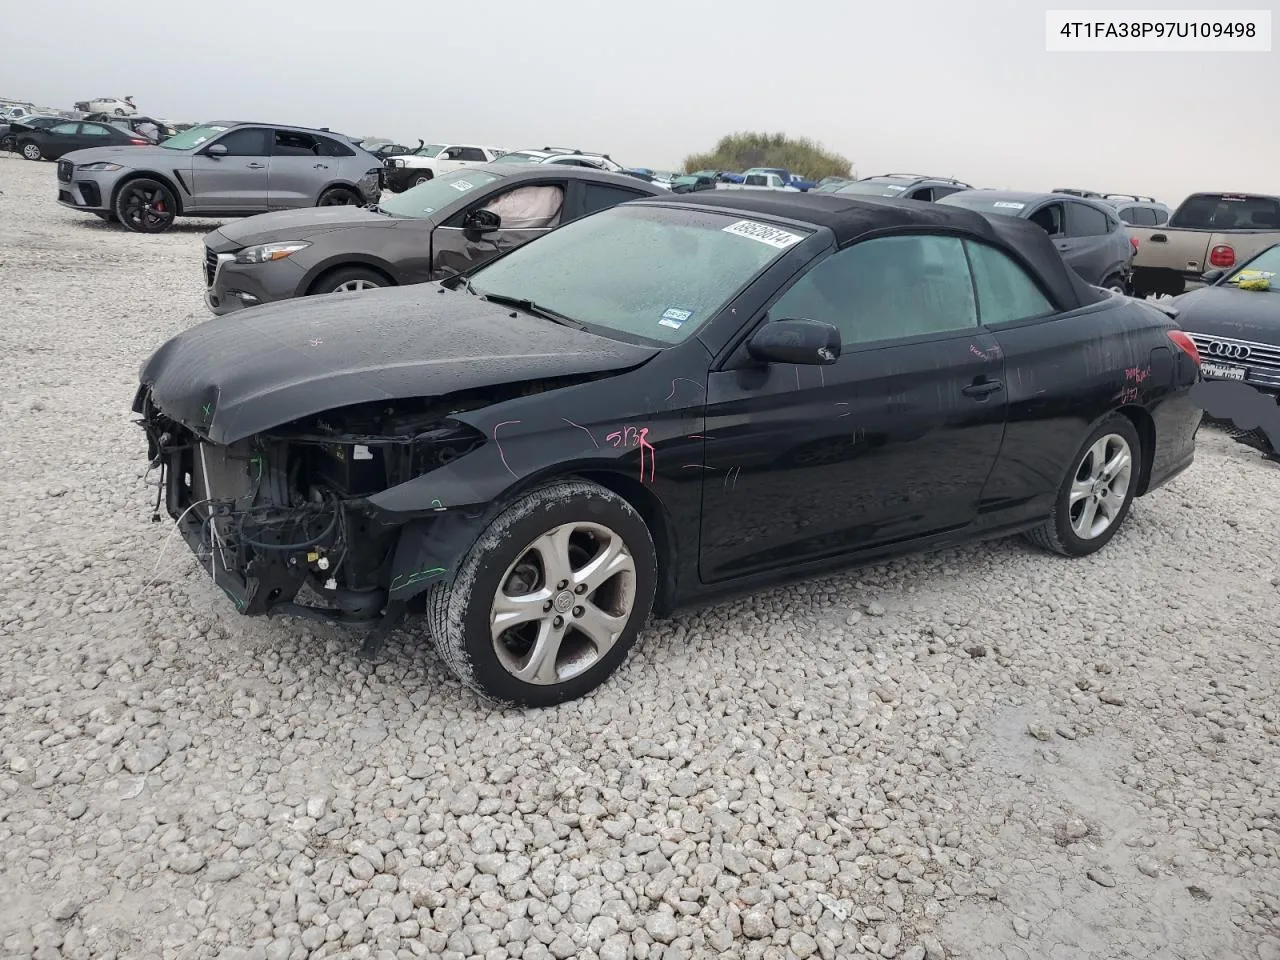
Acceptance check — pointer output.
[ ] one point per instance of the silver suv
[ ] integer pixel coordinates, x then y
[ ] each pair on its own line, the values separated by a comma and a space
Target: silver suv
219, 169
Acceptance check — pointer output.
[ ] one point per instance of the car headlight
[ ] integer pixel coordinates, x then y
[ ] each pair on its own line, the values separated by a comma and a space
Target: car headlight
100, 167
266, 252
396, 163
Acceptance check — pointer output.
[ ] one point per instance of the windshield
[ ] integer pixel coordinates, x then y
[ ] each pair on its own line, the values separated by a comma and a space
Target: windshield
871, 188
643, 271
1218, 211
1001, 205
426, 198
430, 150
190, 139
1265, 266
522, 158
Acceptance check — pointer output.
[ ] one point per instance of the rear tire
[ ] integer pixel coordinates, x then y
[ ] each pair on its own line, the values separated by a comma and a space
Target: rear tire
1099, 487
571, 566
30, 150
350, 280
339, 197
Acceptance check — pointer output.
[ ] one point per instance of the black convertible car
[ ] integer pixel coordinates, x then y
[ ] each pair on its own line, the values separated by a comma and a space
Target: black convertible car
1235, 324
669, 400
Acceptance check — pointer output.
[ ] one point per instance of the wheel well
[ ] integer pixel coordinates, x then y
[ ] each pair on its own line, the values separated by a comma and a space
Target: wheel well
655, 518
145, 175
330, 271
1146, 428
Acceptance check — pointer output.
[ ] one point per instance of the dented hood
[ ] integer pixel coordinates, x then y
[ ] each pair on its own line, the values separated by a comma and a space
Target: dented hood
255, 369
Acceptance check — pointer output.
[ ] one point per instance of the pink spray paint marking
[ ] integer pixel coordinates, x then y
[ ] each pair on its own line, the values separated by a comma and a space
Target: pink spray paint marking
583, 429
501, 455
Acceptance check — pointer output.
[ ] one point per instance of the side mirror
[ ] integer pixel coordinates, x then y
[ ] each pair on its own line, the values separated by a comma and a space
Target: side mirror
810, 342
216, 150
480, 222
1210, 277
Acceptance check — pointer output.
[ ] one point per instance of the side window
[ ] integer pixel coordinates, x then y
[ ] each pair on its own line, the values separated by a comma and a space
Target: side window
530, 207
1162, 217
290, 144
1049, 217
245, 142
924, 193
67, 128
471, 153
886, 288
940, 192
1005, 291
598, 196
1086, 221
1146, 216
332, 148
1130, 215
94, 130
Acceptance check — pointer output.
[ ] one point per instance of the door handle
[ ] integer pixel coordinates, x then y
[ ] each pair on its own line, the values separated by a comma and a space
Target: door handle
1158, 238
255, 166
981, 389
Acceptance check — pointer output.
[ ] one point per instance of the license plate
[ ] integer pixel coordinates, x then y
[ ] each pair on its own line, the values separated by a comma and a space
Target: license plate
1221, 371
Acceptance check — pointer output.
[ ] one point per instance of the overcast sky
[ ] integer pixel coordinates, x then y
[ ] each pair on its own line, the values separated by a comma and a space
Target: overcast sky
939, 87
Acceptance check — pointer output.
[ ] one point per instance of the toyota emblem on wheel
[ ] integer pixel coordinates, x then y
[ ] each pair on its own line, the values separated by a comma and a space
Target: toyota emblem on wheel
1232, 351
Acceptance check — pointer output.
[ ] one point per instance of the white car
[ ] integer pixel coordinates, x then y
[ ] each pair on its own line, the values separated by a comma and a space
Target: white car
430, 161
564, 155
121, 108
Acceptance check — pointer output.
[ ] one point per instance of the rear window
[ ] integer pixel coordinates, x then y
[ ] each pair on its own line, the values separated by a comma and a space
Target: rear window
1227, 211
872, 188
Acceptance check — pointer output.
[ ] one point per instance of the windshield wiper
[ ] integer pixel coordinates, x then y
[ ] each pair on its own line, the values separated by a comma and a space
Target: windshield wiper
528, 306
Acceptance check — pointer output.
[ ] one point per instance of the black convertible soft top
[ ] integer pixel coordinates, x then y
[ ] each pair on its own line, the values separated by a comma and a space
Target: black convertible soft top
854, 218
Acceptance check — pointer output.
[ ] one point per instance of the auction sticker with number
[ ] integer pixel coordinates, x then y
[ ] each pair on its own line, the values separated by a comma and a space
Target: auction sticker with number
1008, 205
462, 185
773, 236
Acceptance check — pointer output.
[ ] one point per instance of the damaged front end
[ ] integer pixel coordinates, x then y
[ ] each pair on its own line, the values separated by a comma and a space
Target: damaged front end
283, 522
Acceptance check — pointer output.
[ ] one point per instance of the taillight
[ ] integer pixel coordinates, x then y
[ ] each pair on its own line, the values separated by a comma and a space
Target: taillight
1185, 344
1133, 242
1222, 256
139, 143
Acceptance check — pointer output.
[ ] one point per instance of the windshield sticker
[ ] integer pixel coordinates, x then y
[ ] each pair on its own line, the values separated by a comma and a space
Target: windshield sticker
462, 185
894, 186
675, 318
1008, 205
763, 233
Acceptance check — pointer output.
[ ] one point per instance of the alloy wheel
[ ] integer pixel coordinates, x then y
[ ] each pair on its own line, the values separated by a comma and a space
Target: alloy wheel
350, 286
563, 604
146, 208
31, 151
1101, 486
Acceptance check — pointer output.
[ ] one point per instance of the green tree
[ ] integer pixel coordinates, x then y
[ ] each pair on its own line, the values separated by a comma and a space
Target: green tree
739, 151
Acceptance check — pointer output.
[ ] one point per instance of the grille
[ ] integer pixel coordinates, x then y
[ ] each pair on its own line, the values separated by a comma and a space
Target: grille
1260, 360
210, 266
64, 170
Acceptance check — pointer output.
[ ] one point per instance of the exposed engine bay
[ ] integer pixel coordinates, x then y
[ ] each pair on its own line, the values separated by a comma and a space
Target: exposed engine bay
287, 509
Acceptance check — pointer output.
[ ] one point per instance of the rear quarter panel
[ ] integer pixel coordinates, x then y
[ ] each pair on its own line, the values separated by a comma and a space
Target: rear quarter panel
1064, 375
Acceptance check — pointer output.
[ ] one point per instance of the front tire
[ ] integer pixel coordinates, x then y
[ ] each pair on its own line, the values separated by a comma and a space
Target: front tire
551, 597
31, 151
349, 280
1096, 493
145, 206
422, 178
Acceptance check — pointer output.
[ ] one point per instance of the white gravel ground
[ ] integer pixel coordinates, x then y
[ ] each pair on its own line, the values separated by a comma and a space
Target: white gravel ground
989, 753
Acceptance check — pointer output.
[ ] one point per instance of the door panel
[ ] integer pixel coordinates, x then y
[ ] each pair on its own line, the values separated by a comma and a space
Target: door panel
235, 182
299, 169
891, 443
881, 447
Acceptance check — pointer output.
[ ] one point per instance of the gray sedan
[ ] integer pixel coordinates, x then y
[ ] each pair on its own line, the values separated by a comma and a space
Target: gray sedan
429, 232
1088, 233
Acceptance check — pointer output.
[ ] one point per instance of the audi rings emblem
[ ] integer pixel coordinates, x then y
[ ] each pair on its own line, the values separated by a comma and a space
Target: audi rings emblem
1230, 351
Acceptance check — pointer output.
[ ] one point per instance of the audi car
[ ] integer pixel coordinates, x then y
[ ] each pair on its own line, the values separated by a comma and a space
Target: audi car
1235, 324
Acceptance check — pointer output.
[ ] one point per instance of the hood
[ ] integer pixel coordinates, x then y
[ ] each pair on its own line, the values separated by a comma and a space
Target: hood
238, 375
134, 156
1230, 312
293, 225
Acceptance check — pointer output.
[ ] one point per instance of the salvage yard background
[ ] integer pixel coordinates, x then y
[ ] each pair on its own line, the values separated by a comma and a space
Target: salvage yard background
984, 753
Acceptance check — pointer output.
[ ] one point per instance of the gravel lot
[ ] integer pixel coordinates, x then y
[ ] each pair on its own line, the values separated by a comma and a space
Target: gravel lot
988, 753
